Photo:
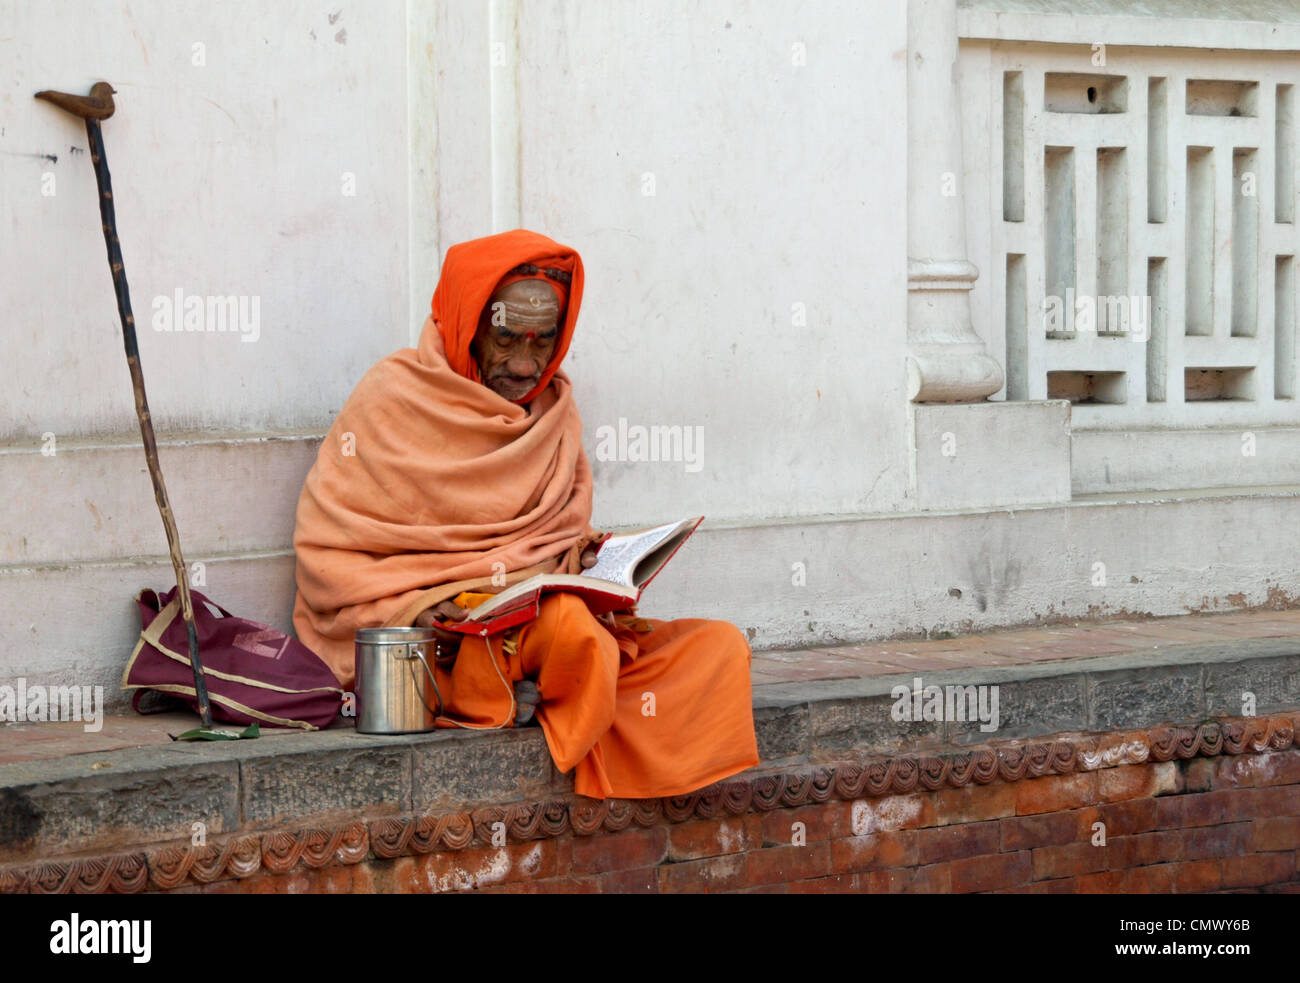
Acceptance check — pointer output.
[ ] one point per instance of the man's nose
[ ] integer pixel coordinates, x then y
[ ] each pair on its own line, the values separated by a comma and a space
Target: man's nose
524, 365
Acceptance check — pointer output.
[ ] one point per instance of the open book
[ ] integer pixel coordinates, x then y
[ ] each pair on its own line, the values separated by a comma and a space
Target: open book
625, 564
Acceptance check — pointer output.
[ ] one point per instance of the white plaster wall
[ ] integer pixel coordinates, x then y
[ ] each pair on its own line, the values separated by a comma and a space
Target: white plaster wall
775, 184
228, 179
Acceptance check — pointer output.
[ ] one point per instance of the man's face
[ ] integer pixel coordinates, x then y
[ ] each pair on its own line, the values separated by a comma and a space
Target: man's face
516, 337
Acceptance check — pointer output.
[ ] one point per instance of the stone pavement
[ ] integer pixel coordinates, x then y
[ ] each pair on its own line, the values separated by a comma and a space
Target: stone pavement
1023, 646
1055, 677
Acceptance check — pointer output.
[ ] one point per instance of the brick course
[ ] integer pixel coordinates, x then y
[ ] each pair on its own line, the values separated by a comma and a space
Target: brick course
1223, 822
1220, 834
1229, 829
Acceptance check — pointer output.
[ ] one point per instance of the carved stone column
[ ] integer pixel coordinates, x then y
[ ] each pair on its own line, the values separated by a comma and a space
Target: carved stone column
947, 361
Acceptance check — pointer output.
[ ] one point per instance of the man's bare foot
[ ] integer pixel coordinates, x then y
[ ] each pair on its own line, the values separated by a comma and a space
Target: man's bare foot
527, 696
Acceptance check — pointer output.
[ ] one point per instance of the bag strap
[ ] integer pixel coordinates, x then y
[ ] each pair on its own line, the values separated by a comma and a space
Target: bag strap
509, 719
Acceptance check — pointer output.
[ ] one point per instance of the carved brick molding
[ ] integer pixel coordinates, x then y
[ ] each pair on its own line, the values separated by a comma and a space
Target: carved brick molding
280, 852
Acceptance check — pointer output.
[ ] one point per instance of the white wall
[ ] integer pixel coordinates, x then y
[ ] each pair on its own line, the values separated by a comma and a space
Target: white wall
228, 179
775, 184
779, 180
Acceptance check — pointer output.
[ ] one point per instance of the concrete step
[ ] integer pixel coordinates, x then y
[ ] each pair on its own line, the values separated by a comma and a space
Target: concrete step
92, 500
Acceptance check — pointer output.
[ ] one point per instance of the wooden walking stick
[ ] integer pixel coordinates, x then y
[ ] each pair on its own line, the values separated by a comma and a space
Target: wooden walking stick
92, 108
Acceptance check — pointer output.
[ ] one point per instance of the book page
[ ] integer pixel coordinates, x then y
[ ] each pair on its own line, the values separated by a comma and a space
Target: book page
503, 599
623, 563
618, 557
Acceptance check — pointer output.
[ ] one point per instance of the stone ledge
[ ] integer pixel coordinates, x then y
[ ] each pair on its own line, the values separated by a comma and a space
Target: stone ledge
61, 806
1178, 683
144, 796
1132, 462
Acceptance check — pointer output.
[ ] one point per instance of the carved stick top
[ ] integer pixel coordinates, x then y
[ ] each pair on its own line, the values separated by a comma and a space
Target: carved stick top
97, 105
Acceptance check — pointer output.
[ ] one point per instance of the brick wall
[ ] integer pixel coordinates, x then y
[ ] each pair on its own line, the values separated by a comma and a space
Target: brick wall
1206, 824
1210, 807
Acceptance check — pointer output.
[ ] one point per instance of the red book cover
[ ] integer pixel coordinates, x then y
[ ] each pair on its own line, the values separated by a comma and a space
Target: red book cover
614, 583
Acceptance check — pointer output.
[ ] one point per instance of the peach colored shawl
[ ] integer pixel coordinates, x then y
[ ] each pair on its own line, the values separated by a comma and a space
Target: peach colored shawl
429, 477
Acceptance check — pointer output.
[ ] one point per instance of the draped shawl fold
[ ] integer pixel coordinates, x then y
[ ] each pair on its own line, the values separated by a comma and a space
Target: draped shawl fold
427, 476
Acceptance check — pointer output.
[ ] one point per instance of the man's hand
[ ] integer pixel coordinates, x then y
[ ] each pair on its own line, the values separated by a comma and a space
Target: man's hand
448, 642
588, 558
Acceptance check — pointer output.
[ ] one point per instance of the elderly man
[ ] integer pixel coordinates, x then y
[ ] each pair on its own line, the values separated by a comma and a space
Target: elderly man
456, 468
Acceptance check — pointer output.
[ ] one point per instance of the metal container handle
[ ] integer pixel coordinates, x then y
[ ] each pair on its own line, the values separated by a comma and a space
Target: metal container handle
417, 652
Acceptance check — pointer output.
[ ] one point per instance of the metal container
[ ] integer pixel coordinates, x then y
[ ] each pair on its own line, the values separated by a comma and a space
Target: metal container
396, 689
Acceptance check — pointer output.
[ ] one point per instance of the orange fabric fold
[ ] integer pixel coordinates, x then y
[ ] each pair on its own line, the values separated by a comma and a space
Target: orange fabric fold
634, 714
427, 476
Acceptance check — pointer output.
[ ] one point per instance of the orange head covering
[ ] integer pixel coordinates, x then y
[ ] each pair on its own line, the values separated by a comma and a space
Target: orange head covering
473, 271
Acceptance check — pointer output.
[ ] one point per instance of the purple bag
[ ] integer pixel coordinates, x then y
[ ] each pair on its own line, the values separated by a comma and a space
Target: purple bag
253, 672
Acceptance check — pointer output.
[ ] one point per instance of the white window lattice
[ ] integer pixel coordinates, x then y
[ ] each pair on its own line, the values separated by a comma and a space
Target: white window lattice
1141, 243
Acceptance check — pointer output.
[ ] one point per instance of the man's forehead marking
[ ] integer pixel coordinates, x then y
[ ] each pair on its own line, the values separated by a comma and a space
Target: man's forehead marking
536, 291
539, 314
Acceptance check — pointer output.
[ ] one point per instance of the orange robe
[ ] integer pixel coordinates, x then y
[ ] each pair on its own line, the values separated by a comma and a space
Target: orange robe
638, 714
428, 478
